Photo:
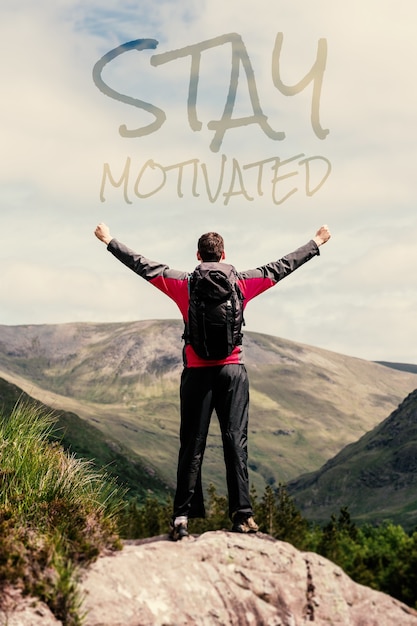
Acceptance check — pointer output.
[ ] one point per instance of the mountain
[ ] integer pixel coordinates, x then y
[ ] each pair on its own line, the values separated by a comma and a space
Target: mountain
404, 367
306, 403
376, 477
85, 441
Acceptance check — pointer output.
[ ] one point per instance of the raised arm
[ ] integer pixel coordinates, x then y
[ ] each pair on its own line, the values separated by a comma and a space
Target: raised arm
256, 281
173, 283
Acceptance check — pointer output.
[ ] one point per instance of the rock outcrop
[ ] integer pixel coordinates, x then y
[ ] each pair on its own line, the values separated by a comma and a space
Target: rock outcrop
221, 579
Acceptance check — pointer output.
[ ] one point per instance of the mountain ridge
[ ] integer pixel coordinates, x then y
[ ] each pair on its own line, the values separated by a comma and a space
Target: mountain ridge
375, 477
307, 403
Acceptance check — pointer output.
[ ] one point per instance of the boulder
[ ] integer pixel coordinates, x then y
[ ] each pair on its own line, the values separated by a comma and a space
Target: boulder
19, 610
221, 578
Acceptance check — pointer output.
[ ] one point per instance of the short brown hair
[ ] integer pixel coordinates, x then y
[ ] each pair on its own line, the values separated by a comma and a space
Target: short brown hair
211, 247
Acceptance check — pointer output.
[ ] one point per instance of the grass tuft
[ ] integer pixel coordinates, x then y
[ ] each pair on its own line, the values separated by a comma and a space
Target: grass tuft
57, 513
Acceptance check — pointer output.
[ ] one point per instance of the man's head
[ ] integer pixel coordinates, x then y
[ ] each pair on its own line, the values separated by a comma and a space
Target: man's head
210, 247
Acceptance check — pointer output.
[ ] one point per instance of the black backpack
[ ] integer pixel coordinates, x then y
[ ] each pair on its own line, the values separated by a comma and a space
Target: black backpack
215, 313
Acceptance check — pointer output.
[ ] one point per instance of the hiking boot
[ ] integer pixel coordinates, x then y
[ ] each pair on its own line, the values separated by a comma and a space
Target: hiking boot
178, 529
244, 523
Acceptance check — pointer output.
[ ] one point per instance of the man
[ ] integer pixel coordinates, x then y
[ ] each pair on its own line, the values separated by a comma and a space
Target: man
207, 385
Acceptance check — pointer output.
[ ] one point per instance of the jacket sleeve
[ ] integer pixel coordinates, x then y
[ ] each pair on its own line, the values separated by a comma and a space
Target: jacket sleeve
256, 281
173, 283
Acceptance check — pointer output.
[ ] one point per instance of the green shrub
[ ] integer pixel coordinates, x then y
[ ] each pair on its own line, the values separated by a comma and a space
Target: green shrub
147, 519
56, 512
278, 516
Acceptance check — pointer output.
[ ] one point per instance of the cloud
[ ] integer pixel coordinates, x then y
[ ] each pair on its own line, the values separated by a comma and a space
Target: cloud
59, 131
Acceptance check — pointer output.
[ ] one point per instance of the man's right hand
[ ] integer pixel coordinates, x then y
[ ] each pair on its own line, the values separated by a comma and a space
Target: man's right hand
322, 235
102, 232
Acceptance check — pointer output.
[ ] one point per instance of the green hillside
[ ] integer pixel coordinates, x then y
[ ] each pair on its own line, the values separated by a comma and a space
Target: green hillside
375, 477
306, 403
86, 441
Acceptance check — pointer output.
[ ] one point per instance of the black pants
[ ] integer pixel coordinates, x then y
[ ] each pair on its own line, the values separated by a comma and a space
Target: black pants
226, 389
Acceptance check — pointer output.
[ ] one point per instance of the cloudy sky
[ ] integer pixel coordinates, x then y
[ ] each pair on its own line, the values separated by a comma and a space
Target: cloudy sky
198, 129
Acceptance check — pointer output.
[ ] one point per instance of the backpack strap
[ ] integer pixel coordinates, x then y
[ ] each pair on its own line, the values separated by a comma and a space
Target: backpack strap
186, 335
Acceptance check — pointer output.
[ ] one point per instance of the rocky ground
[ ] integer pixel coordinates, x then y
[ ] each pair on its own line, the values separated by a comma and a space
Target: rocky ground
219, 579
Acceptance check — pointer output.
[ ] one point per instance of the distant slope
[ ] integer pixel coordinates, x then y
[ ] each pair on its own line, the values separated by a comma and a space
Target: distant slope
403, 367
86, 441
376, 477
123, 378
